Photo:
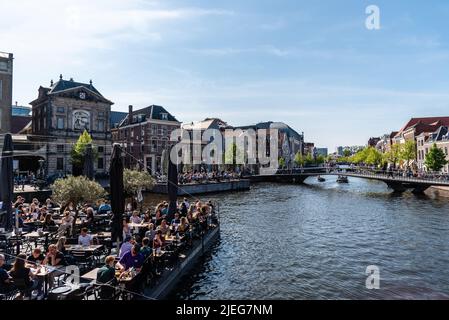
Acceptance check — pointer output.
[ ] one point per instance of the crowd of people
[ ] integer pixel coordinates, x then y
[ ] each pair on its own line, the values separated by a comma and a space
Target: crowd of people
146, 234
206, 177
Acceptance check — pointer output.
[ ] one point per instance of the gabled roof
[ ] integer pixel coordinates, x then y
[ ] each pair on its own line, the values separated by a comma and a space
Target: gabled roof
430, 121
440, 134
208, 123
274, 125
63, 85
152, 112
18, 123
116, 117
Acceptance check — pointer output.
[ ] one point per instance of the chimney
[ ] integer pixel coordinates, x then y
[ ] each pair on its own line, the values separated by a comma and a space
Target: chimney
130, 114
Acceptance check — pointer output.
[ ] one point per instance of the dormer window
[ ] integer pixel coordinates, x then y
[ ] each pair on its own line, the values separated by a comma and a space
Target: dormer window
164, 116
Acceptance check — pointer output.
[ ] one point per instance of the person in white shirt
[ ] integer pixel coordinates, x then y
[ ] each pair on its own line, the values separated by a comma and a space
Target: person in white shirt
135, 218
84, 239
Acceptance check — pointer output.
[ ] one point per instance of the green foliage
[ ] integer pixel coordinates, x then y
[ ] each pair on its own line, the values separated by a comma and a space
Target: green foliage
309, 159
281, 162
133, 180
346, 153
299, 159
79, 149
393, 155
435, 159
408, 151
233, 155
320, 159
369, 155
77, 190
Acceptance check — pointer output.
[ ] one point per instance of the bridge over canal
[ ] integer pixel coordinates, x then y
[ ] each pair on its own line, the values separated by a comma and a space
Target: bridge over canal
398, 183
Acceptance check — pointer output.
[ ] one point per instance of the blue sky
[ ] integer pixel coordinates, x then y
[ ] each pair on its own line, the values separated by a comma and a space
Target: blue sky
311, 64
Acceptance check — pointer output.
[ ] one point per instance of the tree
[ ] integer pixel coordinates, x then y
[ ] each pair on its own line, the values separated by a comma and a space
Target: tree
393, 155
299, 159
78, 190
346, 153
309, 159
408, 152
133, 180
435, 159
320, 159
373, 156
281, 162
79, 151
233, 155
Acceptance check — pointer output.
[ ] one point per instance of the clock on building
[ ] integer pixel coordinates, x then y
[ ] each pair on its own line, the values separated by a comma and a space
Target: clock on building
81, 120
82, 95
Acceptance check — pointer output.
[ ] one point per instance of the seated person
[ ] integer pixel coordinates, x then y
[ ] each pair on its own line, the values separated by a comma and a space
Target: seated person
104, 207
106, 275
89, 216
164, 227
151, 232
49, 204
54, 257
131, 259
5, 279
48, 222
158, 242
176, 220
126, 246
145, 251
135, 218
84, 238
22, 276
36, 257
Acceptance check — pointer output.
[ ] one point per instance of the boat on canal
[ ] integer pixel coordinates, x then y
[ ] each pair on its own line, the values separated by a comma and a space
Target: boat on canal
342, 179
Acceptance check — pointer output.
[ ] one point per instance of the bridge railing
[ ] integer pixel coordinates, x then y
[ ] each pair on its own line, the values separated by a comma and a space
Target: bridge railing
399, 175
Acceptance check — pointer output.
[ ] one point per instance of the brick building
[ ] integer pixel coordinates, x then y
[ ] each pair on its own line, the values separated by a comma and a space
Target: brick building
144, 135
61, 113
6, 73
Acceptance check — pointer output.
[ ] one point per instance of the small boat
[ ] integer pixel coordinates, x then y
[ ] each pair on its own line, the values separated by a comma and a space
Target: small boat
321, 179
342, 179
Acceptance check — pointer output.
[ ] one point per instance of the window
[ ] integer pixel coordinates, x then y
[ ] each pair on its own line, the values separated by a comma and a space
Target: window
59, 163
132, 133
3, 65
1, 89
100, 125
100, 113
59, 123
164, 116
100, 149
60, 148
60, 109
100, 164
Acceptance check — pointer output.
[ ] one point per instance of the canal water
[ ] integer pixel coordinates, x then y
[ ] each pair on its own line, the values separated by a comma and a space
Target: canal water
315, 241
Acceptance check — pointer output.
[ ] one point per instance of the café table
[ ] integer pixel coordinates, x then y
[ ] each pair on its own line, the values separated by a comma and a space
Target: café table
35, 235
77, 247
91, 275
138, 225
44, 272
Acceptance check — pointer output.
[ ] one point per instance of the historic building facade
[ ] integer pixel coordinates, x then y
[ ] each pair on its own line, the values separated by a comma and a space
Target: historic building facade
6, 73
144, 136
425, 141
61, 113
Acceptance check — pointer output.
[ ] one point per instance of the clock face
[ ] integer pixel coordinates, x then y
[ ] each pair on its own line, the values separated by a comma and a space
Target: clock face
82, 95
81, 120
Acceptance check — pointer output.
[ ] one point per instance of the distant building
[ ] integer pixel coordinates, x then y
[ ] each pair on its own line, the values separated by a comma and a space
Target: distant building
290, 142
309, 148
372, 142
349, 149
322, 152
426, 140
22, 111
116, 118
6, 77
144, 135
385, 142
61, 113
